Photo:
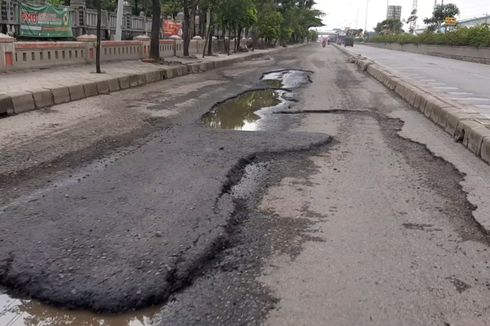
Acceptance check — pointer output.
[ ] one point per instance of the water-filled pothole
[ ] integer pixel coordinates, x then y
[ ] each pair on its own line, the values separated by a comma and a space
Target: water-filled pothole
26, 312
244, 111
250, 109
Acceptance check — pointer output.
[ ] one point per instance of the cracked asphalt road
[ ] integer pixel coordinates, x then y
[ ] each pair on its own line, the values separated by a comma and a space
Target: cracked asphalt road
352, 209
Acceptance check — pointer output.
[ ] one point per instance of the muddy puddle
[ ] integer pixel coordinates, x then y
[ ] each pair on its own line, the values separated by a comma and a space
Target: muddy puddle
250, 110
26, 312
245, 111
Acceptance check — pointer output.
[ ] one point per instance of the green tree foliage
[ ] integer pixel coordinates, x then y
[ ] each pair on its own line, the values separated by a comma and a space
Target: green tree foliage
237, 15
313, 37
57, 3
109, 5
299, 17
389, 27
269, 24
284, 21
474, 36
439, 14
170, 8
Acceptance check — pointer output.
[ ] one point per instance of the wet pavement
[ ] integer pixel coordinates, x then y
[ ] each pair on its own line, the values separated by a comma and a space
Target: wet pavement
288, 78
250, 110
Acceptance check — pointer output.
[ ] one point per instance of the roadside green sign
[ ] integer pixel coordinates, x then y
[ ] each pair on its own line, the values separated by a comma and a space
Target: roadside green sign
44, 21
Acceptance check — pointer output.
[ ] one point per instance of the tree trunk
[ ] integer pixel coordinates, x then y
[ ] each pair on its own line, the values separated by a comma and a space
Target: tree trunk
97, 47
229, 41
135, 12
210, 35
210, 43
187, 27
155, 30
225, 43
207, 32
239, 37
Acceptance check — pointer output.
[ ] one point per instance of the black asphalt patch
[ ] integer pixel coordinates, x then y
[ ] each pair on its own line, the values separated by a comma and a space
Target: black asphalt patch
129, 235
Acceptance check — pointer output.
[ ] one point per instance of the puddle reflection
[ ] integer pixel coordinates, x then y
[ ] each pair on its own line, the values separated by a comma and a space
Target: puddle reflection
20, 312
242, 112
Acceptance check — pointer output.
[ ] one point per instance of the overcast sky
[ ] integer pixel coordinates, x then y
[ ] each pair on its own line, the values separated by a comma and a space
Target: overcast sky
352, 13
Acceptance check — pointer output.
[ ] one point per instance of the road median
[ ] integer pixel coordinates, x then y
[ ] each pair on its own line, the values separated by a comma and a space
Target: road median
464, 123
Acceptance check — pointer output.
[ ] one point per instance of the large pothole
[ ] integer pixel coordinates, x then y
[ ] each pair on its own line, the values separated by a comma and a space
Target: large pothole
252, 109
245, 111
288, 78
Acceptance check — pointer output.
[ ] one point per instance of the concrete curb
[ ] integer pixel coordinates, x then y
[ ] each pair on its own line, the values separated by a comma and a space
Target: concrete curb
12, 104
464, 124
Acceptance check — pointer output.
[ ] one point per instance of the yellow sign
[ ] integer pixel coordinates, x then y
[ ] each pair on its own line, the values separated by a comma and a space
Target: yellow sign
450, 21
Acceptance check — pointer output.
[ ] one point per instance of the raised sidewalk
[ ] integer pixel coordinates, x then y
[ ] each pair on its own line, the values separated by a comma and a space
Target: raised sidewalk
23, 91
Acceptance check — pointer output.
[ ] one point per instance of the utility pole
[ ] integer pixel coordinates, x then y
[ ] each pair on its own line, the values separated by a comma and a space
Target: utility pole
365, 21
413, 17
357, 17
119, 19
97, 46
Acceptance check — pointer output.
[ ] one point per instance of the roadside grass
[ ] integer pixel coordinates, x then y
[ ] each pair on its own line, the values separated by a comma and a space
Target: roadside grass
474, 36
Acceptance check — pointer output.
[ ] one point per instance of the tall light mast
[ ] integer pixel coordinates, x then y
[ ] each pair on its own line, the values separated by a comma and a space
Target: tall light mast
413, 17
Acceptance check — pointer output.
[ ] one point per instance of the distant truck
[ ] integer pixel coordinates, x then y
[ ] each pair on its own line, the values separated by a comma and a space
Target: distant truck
349, 41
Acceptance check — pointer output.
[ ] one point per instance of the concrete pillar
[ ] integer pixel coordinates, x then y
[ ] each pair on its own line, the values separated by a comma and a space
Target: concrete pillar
90, 42
7, 52
145, 45
119, 20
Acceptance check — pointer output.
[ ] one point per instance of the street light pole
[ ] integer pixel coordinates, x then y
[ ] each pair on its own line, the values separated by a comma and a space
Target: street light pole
119, 18
365, 21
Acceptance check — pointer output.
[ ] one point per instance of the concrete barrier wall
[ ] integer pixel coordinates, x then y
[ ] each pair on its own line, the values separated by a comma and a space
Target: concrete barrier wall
46, 54
123, 50
465, 53
30, 55
179, 48
167, 48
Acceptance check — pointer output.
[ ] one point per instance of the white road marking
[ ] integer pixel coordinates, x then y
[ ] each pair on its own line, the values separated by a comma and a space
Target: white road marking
483, 106
459, 93
445, 87
436, 84
481, 76
474, 99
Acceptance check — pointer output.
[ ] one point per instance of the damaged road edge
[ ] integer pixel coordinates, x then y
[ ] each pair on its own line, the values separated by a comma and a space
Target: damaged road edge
463, 124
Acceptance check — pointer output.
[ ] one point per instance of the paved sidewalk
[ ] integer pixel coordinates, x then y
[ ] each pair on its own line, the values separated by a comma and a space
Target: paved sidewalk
34, 89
